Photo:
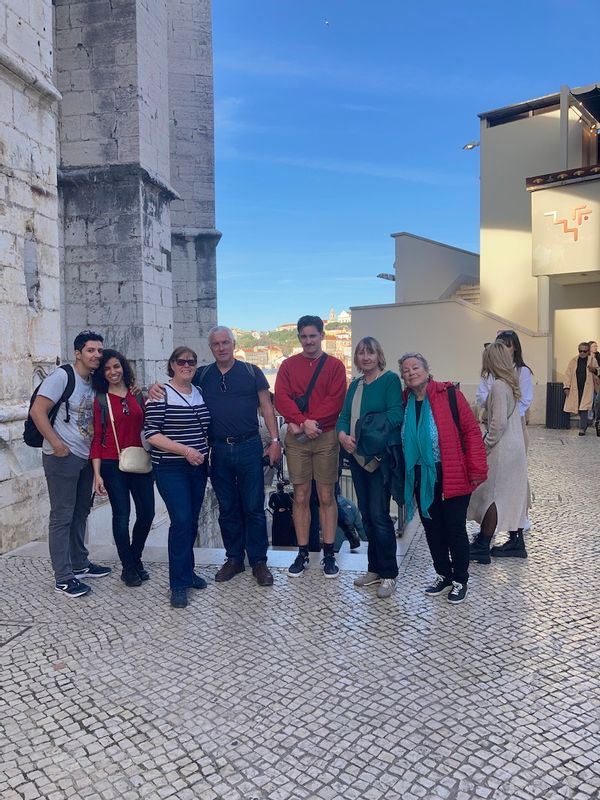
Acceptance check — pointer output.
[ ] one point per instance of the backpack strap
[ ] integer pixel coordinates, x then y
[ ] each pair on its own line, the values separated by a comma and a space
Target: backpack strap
197, 379
455, 415
64, 398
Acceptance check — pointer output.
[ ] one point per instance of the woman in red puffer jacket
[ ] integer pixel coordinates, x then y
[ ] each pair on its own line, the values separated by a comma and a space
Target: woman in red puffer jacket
445, 460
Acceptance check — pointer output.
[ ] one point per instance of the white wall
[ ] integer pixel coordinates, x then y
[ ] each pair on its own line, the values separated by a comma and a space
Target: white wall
451, 335
426, 270
510, 153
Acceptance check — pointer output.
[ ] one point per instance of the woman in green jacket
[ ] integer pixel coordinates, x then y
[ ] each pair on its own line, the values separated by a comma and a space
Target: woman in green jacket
375, 390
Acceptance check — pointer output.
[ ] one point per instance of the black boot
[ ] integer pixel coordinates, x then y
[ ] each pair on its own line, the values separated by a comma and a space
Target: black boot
479, 550
513, 547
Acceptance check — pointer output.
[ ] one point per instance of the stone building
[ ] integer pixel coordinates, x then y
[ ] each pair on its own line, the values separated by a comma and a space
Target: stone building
107, 216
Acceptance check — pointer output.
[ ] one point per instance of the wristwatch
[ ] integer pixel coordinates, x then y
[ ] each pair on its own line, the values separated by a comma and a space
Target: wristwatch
275, 439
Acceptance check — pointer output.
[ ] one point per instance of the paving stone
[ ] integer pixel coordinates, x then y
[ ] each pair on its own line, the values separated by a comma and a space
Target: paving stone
315, 690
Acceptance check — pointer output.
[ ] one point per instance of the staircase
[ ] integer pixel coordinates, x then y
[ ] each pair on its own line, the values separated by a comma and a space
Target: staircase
469, 292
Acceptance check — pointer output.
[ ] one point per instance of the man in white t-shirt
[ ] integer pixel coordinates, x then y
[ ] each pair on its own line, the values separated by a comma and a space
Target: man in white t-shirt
68, 470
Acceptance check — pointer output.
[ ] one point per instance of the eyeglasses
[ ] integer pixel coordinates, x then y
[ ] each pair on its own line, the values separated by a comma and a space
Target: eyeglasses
223, 384
183, 362
585, 350
124, 406
505, 333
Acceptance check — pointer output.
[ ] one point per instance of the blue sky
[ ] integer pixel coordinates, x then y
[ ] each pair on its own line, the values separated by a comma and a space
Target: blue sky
339, 122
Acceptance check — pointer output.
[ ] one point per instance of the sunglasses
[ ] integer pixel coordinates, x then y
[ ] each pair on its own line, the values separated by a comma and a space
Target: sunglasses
223, 384
186, 362
584, 350
124, 406
505, 333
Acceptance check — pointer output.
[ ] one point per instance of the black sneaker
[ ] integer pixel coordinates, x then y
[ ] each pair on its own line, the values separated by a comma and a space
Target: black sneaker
198, 582
437, 587
72, 588
179, 598
330, 568
93, 571
296, 570
457, 593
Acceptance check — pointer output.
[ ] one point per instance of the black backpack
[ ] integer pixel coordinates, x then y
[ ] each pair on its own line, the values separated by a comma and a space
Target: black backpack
31, 435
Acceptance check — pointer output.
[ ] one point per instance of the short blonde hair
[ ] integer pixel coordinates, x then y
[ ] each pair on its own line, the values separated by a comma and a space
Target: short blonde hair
370, 345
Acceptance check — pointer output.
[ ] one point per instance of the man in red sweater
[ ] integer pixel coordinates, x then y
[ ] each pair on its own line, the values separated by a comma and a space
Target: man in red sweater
311, 443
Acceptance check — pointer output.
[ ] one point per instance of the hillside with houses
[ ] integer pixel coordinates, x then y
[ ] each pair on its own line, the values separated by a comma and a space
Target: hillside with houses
267, 349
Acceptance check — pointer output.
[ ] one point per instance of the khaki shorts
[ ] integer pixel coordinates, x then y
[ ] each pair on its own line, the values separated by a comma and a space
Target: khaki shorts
316, 458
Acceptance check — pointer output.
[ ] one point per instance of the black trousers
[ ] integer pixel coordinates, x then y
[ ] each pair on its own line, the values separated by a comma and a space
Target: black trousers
446, 532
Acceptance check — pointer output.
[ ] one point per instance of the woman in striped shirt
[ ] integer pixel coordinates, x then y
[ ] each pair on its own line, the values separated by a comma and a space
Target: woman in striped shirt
176, 427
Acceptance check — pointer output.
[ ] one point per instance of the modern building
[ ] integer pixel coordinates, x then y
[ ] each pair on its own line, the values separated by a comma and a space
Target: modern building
107, 214
539, 263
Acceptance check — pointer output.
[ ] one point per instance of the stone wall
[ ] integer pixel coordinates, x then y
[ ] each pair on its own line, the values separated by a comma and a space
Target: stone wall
194, 238
92, 234
29, 290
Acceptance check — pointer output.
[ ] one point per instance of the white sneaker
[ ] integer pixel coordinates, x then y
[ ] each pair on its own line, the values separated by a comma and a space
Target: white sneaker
368, 579
387, 588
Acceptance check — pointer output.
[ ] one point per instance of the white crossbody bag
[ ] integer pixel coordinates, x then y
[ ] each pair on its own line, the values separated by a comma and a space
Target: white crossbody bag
131, 459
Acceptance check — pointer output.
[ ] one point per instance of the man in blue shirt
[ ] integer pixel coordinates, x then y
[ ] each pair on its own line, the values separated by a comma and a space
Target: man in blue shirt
233, 390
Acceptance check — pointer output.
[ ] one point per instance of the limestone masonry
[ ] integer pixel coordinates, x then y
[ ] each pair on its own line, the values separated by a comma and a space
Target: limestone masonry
107, 216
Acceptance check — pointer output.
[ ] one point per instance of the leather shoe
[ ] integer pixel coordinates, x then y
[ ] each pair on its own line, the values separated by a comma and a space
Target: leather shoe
229, 570
142, 571
130, 577
263, 575
354, 541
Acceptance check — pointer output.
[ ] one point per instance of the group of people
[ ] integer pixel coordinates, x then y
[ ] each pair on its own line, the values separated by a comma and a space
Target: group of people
423, 443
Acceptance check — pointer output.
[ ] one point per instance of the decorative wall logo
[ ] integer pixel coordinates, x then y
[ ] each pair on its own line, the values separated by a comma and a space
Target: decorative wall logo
580, 215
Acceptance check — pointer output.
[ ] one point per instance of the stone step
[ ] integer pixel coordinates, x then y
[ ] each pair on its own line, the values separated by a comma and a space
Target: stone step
469, 292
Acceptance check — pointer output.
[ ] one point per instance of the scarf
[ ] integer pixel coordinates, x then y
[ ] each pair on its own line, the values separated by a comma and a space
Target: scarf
418, 449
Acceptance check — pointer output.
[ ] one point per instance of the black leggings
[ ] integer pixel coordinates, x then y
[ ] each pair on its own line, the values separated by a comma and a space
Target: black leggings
446, 532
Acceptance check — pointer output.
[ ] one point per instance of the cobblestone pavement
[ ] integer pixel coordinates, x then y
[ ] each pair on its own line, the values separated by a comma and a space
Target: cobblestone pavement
312, 689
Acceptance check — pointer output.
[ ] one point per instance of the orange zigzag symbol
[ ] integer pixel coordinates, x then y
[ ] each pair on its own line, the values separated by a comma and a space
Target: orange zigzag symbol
564, 223
581, 211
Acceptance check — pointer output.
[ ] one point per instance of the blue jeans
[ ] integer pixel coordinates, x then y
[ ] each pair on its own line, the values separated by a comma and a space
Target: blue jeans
236, 474
374, 506
121, 486
182, 487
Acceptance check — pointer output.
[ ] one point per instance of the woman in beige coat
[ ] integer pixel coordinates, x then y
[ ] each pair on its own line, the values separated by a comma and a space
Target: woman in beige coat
501, 502
579, 385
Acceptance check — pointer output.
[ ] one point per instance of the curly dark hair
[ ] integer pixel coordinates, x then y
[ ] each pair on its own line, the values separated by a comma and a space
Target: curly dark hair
99, 382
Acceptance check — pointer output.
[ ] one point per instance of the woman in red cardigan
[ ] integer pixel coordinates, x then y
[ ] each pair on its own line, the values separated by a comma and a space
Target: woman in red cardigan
445, 460
114, 379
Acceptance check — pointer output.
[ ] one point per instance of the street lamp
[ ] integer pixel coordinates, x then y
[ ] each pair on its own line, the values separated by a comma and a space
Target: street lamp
470, 145
387, 276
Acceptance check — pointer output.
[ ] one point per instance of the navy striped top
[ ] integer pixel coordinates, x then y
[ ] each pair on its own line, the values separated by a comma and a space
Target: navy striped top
183, 419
